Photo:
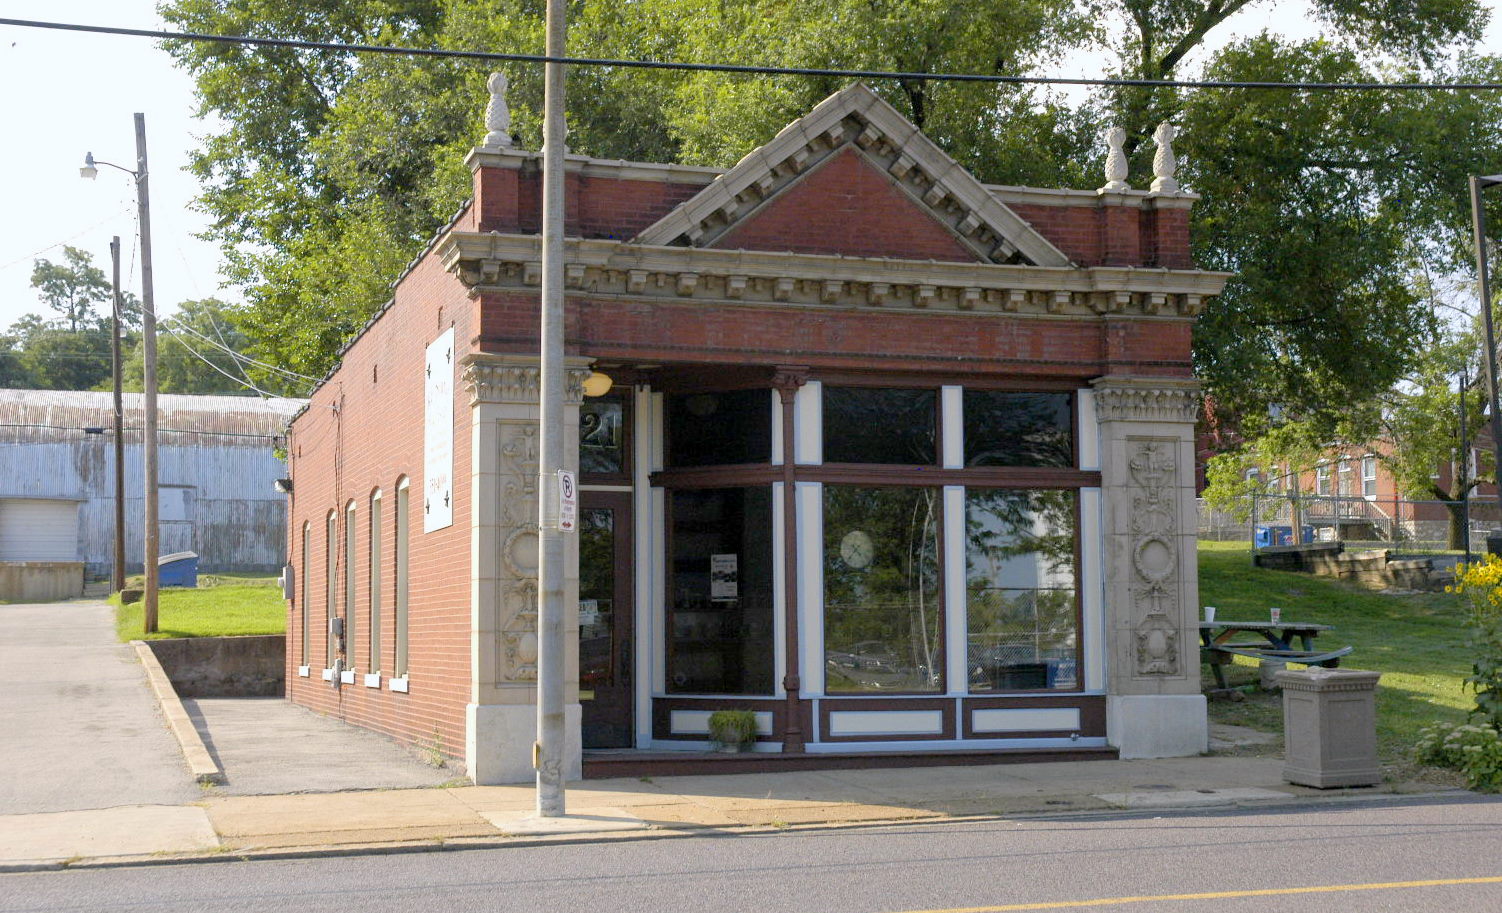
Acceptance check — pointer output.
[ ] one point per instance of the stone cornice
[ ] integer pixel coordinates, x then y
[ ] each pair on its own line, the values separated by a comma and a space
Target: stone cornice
516, 379
522, 160
1134, 199
614, 268
1146, 399
856, 118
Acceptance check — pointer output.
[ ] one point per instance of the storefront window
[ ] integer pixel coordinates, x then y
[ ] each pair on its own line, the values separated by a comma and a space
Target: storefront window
882, 600
880, 425
1021, 584
720, 614
716, 429
1018, 429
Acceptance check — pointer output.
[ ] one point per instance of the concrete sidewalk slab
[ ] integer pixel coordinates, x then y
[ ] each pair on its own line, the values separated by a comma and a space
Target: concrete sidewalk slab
343, 818
589, 820
270, 746
80, 728
1189, 798
132, 830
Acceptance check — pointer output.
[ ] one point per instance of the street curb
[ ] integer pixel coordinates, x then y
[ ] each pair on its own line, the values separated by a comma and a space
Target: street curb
680, 830
202, 764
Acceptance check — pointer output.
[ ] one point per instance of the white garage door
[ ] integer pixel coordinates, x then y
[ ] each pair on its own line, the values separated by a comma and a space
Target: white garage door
35, 530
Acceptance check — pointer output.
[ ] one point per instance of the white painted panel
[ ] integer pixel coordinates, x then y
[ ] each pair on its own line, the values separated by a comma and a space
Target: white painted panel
957, 675
35, 529
696, 722
645, 521
1089, 431
808, 431
952, 421
438, 434
373, 680
776, 428
810, 497
397, 684
1092, 589
886, 722
1029, 719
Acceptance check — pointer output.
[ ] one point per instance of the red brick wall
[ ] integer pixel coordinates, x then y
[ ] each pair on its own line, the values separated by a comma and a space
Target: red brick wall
374, 439
845, 206
867, 339
511, 201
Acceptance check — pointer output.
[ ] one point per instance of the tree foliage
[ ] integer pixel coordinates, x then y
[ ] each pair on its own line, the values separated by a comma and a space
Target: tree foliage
72, 288
333, 171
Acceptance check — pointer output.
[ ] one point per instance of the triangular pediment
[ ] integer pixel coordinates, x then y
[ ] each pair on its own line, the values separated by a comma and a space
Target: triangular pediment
855, 122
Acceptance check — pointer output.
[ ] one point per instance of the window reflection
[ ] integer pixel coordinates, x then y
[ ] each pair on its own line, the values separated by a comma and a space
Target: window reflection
602, 448
716, 429
1018, 429
882, 600
880, 425
1021, 582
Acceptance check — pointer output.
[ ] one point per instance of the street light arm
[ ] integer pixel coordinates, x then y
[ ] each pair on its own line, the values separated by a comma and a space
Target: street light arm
90, 168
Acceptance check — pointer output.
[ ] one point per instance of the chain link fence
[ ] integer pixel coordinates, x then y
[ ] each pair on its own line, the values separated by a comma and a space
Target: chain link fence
1395, 523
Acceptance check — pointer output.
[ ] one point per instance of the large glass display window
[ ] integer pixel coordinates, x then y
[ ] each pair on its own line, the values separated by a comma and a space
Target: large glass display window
883, 604
881, 425
1004, 428
1021, 589
718, 429
719, 623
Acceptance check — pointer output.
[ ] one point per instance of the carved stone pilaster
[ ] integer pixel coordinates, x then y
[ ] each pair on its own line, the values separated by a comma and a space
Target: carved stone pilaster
518, 536
1128, 399
1154, 551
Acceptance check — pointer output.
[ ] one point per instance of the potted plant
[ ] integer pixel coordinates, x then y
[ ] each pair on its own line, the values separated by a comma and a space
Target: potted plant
732, 730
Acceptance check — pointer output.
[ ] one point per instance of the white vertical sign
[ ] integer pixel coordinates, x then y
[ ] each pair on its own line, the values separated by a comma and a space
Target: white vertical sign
438, 434
568, 501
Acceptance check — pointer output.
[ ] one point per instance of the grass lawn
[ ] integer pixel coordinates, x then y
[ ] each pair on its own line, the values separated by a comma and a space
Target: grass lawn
219, 606
1417, 642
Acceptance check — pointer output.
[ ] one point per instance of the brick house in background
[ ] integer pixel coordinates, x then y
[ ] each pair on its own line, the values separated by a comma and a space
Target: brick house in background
899, 461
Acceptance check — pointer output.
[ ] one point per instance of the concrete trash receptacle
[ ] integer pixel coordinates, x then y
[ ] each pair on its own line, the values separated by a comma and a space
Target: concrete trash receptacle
1330, 727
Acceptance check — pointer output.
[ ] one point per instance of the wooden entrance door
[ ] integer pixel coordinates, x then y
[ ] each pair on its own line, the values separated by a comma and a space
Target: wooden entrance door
605, 618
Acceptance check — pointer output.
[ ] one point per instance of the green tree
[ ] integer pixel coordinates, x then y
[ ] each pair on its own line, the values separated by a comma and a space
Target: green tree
72, 288
196, 353
333, 172
49, 356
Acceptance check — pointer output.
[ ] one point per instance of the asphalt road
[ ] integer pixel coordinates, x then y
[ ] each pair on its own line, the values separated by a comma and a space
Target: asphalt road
1365, 856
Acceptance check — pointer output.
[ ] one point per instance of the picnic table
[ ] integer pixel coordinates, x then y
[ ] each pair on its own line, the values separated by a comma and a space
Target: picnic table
1218, 645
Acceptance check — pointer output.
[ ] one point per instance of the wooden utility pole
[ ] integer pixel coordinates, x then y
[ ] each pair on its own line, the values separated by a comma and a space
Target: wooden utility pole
148, 348
117, 571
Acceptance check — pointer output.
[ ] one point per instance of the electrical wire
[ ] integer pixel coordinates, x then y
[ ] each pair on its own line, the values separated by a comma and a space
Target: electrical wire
166, 325
346, 48
239, 356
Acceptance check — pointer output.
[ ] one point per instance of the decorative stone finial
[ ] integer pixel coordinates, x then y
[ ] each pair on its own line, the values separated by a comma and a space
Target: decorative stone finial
1164, 164
497, 115
1116, 163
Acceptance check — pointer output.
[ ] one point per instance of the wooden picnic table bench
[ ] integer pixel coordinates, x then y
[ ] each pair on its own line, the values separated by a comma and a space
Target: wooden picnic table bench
1218, 648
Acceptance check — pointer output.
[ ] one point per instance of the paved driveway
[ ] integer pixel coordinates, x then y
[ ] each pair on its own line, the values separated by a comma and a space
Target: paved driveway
78, 726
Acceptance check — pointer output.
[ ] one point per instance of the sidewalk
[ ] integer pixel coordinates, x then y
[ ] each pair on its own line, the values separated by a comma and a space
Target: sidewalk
470, 816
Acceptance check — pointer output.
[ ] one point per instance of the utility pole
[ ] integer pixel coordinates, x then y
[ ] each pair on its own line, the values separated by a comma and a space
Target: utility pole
549, 750
148, 348
117, 570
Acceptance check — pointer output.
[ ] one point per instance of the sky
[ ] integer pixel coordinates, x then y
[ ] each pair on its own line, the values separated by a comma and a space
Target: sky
69, 93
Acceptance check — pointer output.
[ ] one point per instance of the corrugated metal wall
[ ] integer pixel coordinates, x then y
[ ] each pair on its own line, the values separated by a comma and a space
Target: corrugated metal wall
217, 468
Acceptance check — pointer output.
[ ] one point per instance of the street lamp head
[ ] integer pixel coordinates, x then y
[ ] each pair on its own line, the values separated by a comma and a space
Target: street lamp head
88, 170
1489, 180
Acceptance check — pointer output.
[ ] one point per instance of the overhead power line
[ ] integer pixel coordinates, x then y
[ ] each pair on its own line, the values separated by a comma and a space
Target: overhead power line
492, 56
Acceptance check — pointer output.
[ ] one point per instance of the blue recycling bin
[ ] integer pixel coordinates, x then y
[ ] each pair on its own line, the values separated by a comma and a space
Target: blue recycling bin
178, 569
1265, 536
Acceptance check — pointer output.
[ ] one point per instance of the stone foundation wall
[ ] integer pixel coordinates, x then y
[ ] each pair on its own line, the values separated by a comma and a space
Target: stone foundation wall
224, 666
1376, 569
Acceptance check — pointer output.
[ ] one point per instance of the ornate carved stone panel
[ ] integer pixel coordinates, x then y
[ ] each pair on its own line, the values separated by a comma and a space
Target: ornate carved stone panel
1154, 550
518, 537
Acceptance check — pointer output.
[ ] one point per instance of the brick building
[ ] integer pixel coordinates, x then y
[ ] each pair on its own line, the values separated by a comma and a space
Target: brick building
899, 461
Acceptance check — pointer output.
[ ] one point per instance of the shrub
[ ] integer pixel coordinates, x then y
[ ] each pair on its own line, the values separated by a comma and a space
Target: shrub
732, 728
1475, 751
1482, 586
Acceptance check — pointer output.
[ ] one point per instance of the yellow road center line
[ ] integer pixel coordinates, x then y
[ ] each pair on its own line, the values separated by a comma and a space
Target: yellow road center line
1218, 895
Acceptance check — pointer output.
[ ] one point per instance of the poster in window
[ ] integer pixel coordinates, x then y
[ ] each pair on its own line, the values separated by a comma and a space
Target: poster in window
438, 434
724, 579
